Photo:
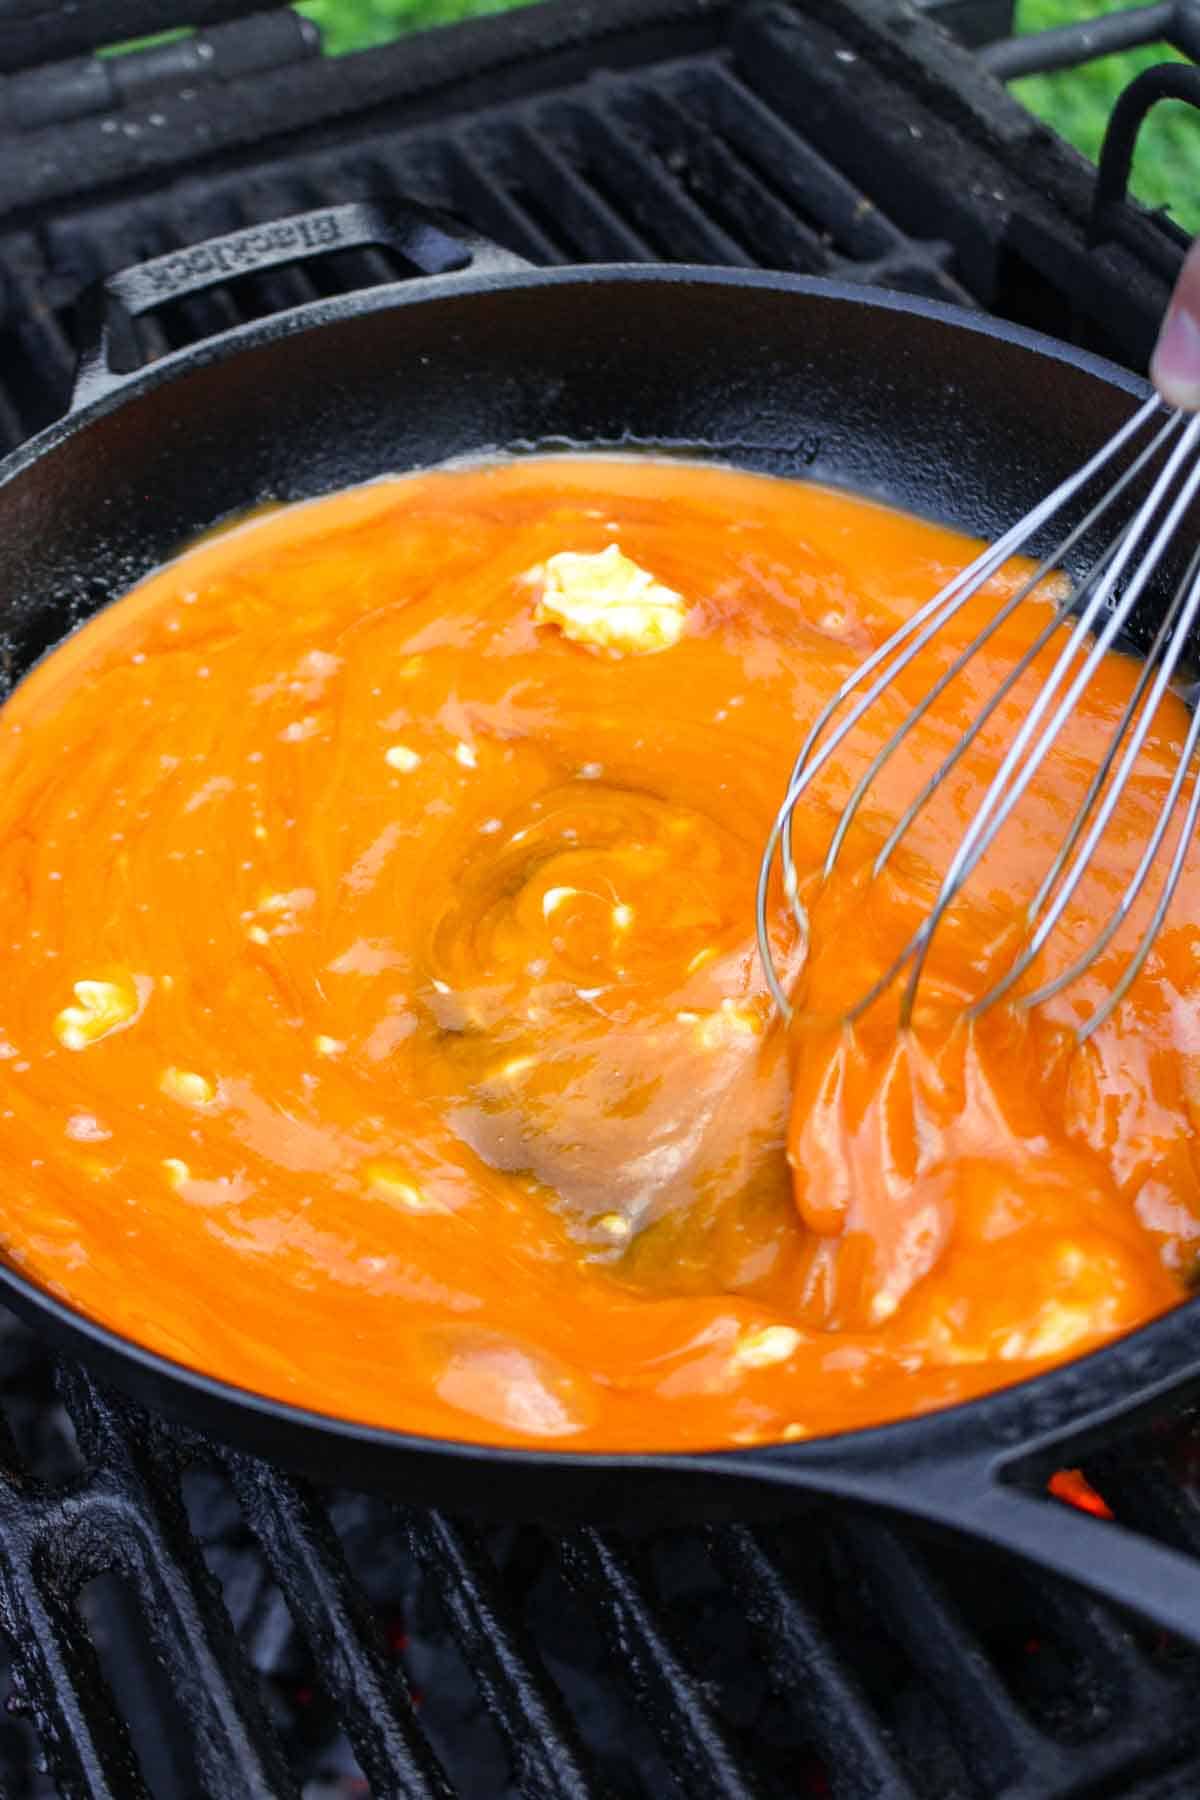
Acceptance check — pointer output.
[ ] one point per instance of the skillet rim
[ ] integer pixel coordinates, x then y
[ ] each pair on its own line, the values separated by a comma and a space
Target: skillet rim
1125, 1376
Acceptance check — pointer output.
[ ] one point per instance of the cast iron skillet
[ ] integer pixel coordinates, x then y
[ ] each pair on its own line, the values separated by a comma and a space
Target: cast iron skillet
927, 406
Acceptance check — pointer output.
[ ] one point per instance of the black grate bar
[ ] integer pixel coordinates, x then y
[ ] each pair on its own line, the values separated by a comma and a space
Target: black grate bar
629, 175
309, 1567
51, 94
408, 169
1143, 1491
594, 229
805, 1668
996, 1738
117, 1522
41, 332
145, 233
131, 1518
1116, 1682
1066, 46
1100, 1642
12, 430
32, 33
548, 1758
185, 1621
474, 191
57, 1681
784, 161
718, 177
702, 1757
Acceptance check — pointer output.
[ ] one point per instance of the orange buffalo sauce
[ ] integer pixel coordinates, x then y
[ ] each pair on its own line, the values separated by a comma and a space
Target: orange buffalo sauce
380, 1021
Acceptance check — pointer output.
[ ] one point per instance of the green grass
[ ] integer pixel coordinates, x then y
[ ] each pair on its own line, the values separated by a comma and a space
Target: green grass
1077, 103
353, 24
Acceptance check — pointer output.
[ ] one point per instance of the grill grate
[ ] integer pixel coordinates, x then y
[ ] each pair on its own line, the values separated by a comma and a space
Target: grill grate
691, 167
739, 153
184, 1621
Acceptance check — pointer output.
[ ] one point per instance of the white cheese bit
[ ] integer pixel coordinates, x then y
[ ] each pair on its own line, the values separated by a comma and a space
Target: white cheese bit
603, 599
104, 1006
1057, 1325
399, 756
188, 1087
764, 1345
85, 1128
299, 730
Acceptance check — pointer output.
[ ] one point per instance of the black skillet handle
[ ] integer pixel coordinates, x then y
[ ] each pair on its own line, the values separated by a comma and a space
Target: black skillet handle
428, 242
999, 1501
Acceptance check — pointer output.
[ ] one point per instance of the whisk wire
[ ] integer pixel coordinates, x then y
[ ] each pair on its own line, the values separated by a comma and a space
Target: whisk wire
1021, 763
955, 593
1101, 601
1187, 831
983, 637
1160, 664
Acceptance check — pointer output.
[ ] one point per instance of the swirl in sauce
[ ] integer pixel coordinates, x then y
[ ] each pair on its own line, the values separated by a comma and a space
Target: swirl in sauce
381, 1023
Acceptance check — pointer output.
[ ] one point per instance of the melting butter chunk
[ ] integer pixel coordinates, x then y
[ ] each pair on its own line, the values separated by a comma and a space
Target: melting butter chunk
763, 1345
188, 1087
104, 1006
605, 600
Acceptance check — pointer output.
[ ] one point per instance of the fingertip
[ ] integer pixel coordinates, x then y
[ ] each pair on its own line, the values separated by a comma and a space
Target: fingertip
1175, 365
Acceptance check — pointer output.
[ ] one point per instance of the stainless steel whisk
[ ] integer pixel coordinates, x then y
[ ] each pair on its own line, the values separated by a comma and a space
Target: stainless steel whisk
1100, 602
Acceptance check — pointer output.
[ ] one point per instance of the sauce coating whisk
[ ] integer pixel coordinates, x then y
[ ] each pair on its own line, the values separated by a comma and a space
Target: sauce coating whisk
1122, 549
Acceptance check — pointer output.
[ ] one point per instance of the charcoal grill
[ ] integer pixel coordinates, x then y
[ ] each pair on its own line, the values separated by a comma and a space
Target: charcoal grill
180, 1620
